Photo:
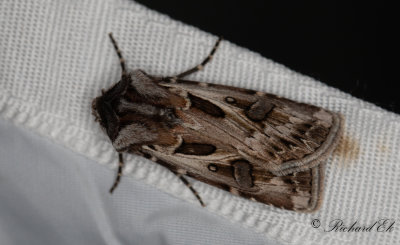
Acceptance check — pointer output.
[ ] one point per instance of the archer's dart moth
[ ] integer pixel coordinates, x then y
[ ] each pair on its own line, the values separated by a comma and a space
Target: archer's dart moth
253, 144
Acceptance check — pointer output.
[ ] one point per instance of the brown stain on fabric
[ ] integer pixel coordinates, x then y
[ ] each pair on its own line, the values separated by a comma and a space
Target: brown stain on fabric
383, 149
348, 150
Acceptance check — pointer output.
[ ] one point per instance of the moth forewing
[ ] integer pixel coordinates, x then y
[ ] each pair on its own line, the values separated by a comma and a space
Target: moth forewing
253, 144
279, 135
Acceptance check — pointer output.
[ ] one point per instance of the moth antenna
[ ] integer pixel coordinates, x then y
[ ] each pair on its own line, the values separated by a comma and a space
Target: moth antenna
195, 193
199, 66
119, 173
121, 59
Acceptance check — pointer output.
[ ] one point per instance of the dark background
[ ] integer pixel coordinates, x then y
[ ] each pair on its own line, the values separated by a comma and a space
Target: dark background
334, 42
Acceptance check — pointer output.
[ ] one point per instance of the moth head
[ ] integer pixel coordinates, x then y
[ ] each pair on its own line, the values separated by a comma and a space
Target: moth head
103, 107
138, 79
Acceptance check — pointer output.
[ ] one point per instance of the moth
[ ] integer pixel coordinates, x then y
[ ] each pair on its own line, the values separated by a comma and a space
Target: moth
253, 144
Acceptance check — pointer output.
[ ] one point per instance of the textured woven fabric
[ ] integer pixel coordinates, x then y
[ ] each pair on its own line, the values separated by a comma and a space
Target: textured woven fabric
56, 56
51, 195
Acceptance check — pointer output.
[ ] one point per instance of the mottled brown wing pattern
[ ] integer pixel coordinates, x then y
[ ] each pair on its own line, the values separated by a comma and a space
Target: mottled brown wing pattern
301, 191
277, 134
253, 144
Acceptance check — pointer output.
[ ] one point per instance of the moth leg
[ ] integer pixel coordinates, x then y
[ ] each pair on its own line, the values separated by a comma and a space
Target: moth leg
200, 66
119, 174
121, 59
186, 182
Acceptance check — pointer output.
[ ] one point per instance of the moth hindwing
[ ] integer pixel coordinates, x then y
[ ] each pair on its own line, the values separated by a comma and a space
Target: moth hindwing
255, 145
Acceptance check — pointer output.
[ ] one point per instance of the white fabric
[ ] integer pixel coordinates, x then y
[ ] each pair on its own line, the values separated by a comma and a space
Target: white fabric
55, 58
51, 195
